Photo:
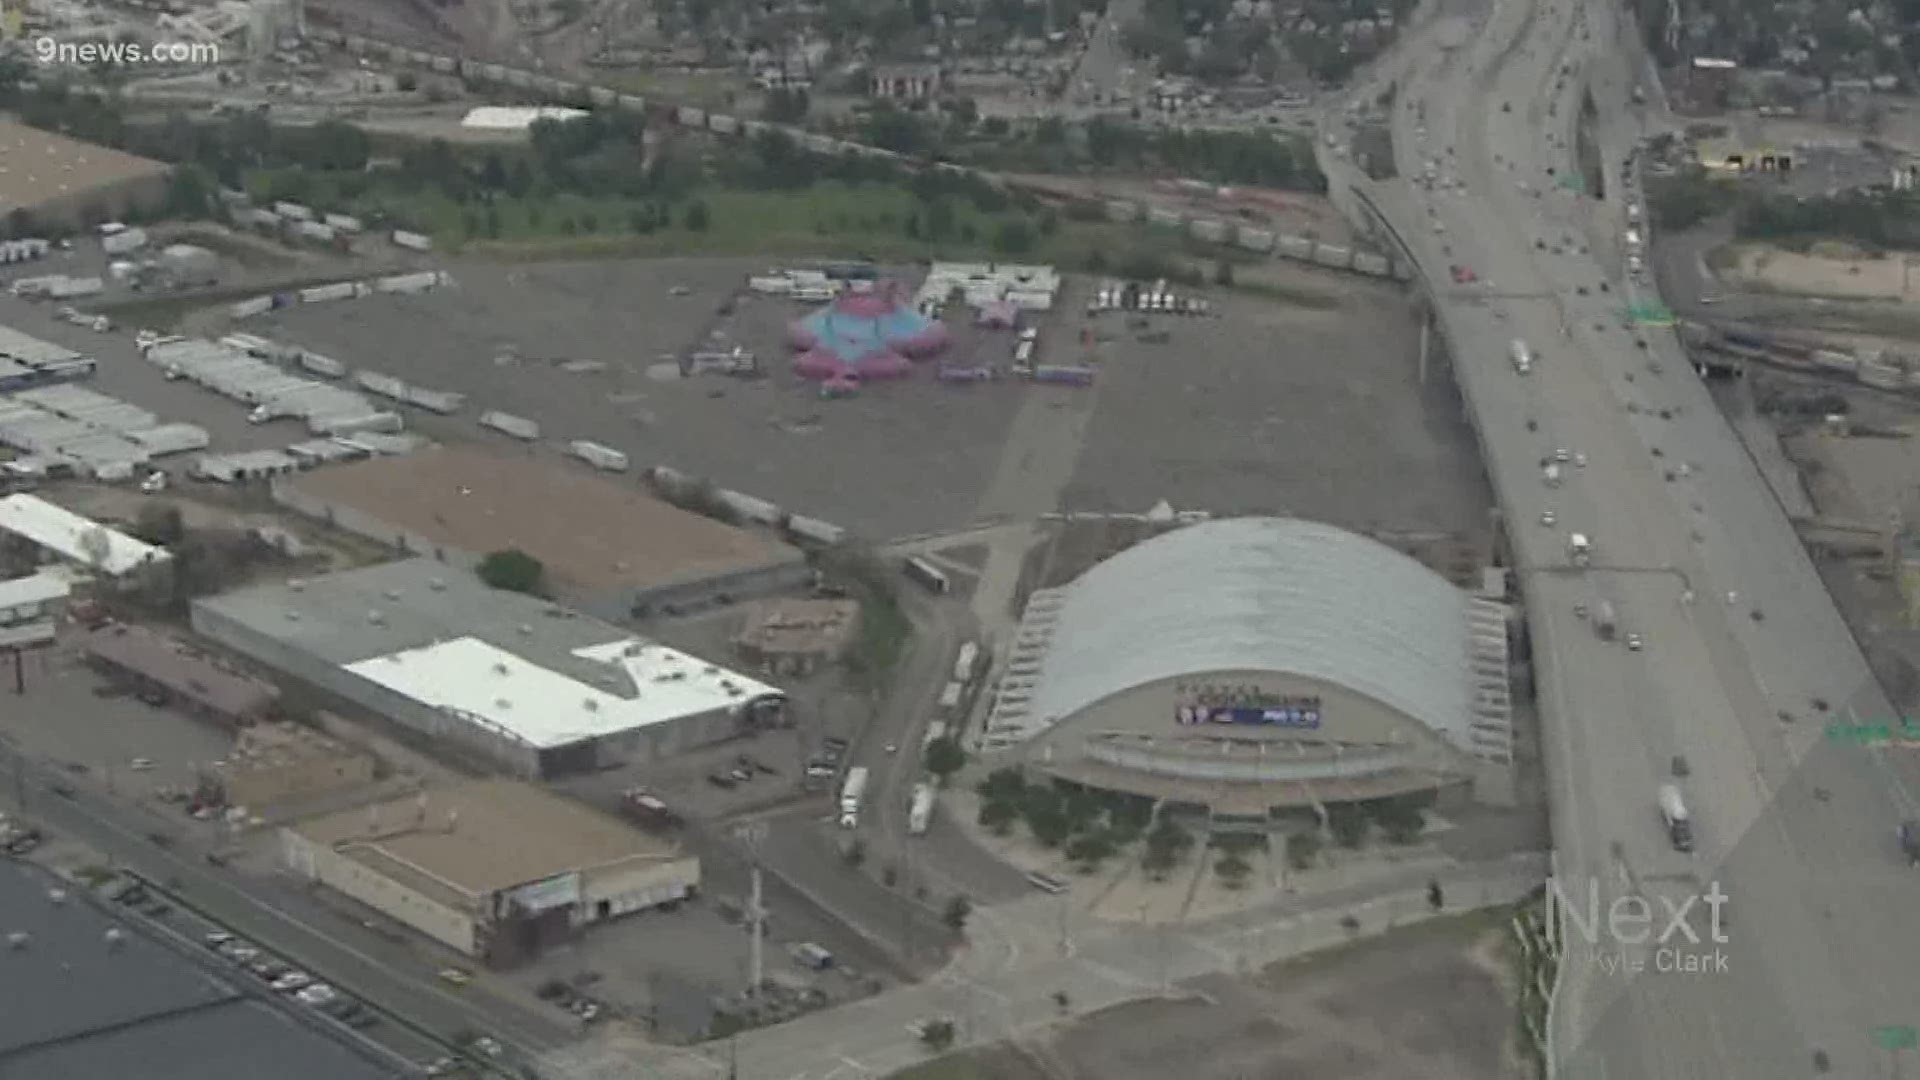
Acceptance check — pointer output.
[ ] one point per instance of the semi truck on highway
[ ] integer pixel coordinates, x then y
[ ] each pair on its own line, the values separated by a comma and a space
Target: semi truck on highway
1673, 811
1522, 356
1603, 621
850, 794
1579, 548
920, 812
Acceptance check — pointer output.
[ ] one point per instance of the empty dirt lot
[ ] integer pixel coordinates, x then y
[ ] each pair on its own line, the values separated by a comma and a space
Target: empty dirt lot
1427, 1002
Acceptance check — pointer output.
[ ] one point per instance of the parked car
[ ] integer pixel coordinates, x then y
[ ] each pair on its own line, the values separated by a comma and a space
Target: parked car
456, 976
720, 780
292, 981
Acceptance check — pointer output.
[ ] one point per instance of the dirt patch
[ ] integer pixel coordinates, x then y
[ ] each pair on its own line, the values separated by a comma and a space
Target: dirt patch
1428, 1002
1827, 269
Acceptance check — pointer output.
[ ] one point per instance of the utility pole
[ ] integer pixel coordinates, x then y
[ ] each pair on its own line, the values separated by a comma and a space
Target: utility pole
750, 837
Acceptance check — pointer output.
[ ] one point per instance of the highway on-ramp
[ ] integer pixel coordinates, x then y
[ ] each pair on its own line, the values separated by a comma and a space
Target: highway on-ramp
1745, 659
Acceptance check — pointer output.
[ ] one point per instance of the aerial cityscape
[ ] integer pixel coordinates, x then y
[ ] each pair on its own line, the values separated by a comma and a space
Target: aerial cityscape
959, 539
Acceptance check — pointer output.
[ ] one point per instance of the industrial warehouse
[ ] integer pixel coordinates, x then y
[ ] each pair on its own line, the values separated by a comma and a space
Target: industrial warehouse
534, 688
497, 869
608, 549
1260, 663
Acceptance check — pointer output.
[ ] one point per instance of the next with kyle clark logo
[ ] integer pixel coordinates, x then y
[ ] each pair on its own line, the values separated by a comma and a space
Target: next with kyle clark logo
1632, 935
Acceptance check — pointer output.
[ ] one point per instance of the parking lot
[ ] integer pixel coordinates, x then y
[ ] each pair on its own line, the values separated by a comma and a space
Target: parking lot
1278, 407
87, 724
902, 457
671, 972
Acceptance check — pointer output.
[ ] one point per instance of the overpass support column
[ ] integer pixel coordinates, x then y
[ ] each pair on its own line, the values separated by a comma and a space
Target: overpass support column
1426, 335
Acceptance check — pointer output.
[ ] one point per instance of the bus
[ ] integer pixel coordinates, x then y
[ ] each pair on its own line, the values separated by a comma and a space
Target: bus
963, 664
927, 575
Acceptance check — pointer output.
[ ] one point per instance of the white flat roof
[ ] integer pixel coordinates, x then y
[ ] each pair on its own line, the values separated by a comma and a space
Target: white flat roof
506, 118
545, 708
75, 538
32, 591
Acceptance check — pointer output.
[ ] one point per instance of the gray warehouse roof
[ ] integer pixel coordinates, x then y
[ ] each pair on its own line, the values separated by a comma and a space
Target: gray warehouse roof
418, 604
81, 1007
1262, 594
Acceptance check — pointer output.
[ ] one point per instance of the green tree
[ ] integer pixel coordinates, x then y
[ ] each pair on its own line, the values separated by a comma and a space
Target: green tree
957, 912
1166, 843
1233, 870
1349, 826
1006, 782
1303, 849
513, 570
1091, 849
786, 106
697, 216
160, 523
945, 757
937, 1035
998, 815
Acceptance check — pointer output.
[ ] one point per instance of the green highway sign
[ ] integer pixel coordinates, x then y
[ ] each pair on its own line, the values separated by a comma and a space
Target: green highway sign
1896, 1037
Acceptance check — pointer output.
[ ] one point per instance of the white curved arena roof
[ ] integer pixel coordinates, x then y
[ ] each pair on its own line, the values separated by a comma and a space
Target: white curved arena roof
1275, 594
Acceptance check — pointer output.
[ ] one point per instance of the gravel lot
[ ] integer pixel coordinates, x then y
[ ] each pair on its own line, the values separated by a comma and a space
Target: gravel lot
1421, 1002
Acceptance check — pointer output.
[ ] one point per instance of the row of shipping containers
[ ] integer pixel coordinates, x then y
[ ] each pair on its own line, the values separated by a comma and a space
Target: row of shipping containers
797, 526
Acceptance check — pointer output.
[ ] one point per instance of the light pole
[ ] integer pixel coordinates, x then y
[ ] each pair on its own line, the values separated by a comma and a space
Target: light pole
750, 837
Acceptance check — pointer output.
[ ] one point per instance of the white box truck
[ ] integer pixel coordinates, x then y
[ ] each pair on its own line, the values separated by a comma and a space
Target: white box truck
1521, 355
1673, 812
850, 794
920, 811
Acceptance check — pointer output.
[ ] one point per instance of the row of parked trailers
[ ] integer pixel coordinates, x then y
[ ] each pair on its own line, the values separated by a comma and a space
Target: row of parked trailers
799, 526
271, 390
397, 284
72, 428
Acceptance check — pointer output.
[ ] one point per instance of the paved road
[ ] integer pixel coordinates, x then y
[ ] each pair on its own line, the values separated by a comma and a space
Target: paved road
289, 925
1799, 834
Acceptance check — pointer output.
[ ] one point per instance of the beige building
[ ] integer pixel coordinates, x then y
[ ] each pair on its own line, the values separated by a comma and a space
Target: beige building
497, 869
282, 762
55, 180
610, 550
793, 637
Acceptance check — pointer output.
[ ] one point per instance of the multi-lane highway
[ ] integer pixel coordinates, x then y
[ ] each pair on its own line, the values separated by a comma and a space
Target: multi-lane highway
1745, 655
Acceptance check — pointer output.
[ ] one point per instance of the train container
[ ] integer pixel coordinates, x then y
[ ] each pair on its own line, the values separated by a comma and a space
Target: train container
750, 508
508, 424
322, 365
1070, 375
444, 402
598, 456
320, 294
1333, 255
815, 530
1294, 247
247, 309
